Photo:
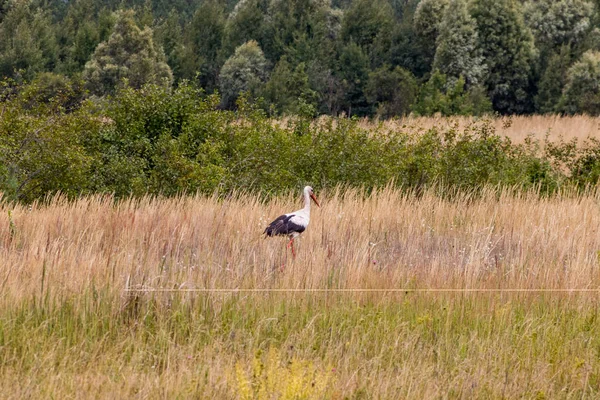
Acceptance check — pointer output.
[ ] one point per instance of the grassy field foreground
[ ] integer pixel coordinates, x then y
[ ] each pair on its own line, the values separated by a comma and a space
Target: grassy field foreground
79, 317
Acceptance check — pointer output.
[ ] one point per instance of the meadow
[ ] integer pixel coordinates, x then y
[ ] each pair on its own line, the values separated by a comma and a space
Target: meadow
393, 294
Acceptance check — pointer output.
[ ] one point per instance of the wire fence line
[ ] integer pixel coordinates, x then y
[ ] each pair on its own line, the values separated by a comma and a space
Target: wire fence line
362, 290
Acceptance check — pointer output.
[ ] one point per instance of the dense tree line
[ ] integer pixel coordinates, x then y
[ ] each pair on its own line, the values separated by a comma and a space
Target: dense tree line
307, 57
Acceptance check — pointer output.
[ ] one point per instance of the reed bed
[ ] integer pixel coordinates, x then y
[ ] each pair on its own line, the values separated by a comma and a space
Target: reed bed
393, 294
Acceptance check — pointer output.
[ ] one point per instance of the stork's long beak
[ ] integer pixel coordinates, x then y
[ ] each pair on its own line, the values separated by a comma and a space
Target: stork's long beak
312, 196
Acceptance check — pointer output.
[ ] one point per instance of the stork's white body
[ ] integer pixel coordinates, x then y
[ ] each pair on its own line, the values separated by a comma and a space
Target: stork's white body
301, 217
294, 223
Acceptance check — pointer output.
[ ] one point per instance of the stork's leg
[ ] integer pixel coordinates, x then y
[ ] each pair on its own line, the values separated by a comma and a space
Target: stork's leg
291, 244
293, 251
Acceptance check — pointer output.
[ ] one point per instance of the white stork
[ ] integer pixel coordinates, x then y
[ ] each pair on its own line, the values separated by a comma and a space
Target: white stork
293, 224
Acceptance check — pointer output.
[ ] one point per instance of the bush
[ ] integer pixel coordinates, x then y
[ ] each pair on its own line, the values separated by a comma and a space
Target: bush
43, 147
161, 141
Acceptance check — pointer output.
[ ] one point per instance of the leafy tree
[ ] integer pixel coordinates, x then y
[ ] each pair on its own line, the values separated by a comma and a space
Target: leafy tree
169, 34
84, 43
4, 6
438, 96
245, 71
582, 90
203, 43
508, 51
393, 91
553, 80
288, 89
297, 28
55, 89
428, 18
144, 13
558, 22
409, 51
457, 53
27, 42
80, 33
561, 31
327, 85
158, 141
85, 24
42, 148
354, 73
245, 22
127, 57
367, 24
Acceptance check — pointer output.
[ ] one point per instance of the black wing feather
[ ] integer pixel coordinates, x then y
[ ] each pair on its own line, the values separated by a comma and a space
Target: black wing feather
283, 226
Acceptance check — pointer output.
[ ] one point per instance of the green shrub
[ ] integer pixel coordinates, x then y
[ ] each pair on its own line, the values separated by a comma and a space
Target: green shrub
43, 148
168, 141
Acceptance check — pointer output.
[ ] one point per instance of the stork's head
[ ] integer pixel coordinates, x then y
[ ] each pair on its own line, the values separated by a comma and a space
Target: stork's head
309, 191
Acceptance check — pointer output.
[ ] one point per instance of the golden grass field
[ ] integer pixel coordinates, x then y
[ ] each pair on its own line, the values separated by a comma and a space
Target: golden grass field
517, 128
82, 314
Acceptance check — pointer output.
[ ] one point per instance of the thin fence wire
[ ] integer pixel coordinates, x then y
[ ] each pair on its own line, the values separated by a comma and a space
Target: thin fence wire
360, 290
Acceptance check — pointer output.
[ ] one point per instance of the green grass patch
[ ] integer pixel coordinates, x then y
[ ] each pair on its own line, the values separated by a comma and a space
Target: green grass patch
341, 345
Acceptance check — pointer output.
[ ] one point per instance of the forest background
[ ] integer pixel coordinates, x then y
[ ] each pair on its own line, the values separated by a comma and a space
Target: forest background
135, 97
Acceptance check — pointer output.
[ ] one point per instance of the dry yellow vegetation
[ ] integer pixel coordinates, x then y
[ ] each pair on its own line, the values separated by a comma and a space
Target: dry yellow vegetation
517, 128
69, 327
389, 239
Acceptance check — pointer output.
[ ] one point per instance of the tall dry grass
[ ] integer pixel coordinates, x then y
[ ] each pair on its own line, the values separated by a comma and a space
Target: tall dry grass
386, 240
68, 329
517, 128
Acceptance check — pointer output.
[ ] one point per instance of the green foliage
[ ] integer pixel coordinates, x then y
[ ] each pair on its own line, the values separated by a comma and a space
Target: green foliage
127, 58
585, 170
508, 51
50, 88
354, 73
161, 141
27, 42
82, 29
507, 46
555, 23
428, 18
393, 91
42, 148
553, 80
424, 26
299, 29
410, 51
438, 95
349, 57
245, 71
203, 42
245, 22
169, 35
329, 90
288, 89
582, 90
457, 53
158, 141
367, 23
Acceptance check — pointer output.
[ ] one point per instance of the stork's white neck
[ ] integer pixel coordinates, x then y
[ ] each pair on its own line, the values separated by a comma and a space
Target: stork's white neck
306, 202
